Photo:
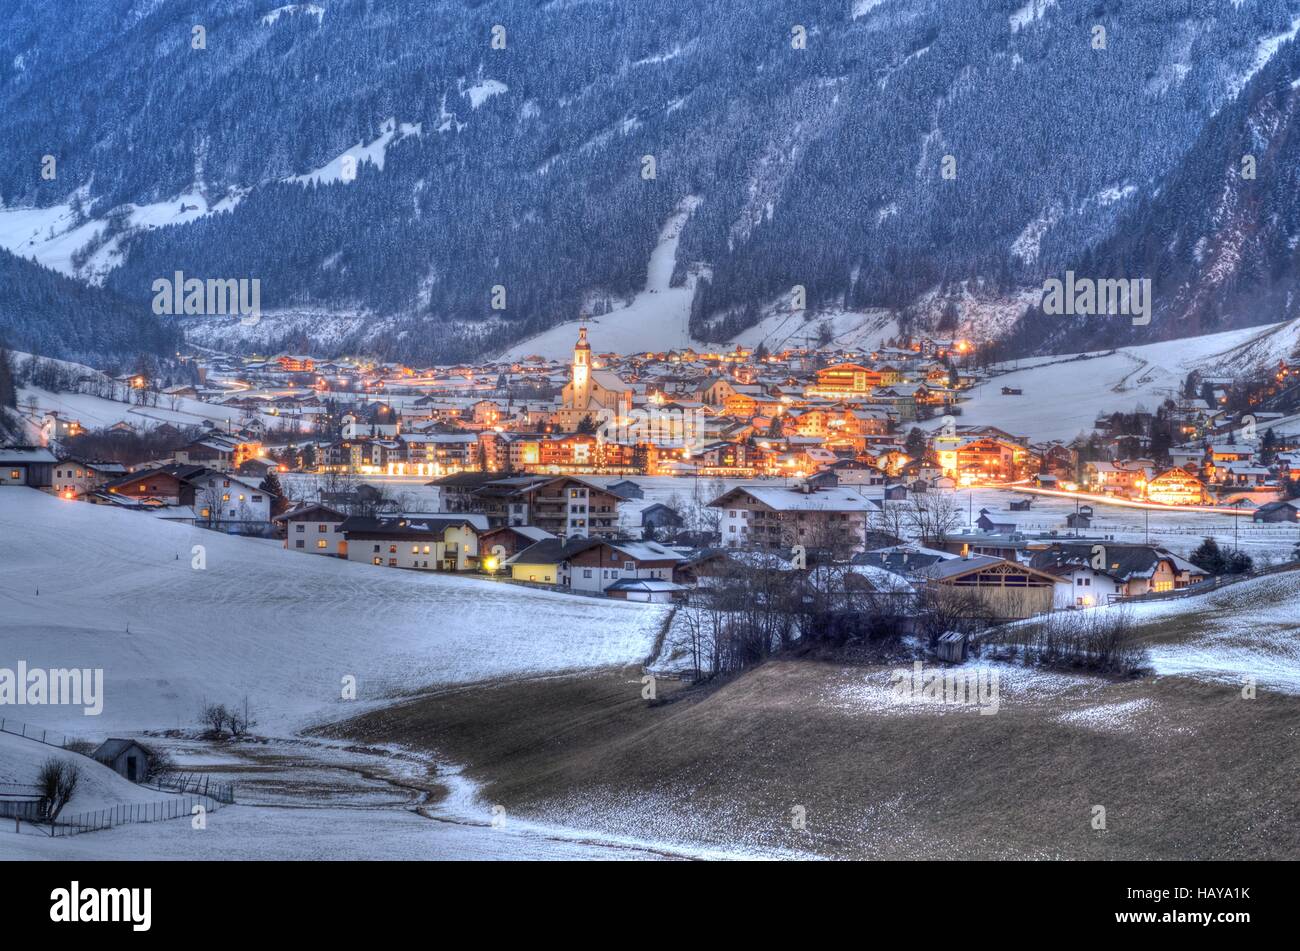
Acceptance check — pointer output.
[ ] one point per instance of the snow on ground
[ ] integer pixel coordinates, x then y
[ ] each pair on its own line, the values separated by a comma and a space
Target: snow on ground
98, 787
873, 691
309, 799
1063, 395
1246, 630
483, 90
849, 329
1106, 717
310, 9
52, 235
1179, 531
343, 167
93, 587
94, 412
657, 319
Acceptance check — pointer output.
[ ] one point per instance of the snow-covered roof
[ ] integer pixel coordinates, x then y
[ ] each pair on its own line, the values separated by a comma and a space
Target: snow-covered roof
788, 499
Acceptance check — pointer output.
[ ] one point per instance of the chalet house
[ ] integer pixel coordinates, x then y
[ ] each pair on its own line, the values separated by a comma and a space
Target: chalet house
31, 466
507, 541
1137, 569
422, 542
778, 517
659, 517
597, 565
546, 562
905, 560
1005, 589
431, 453
169, 485
359, 455
1085, 586
1177, 486
315, 528
55, 428
457, 492
1127, 478
222, 498
1221, 455
216, 451
1242, 475
988, 459
567, 507
75, 477
724, 457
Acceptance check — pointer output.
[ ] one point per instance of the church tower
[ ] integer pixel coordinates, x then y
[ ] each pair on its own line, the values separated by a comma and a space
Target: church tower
581, 371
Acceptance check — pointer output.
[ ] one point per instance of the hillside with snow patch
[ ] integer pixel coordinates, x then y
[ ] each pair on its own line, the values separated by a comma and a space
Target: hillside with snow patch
91, 586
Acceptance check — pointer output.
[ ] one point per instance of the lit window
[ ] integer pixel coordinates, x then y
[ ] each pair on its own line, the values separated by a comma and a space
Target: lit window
322, 543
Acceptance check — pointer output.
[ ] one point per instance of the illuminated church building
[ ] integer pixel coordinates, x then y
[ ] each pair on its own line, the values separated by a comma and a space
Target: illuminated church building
598, 394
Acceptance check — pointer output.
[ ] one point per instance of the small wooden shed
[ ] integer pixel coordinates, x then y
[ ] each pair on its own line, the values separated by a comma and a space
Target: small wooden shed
125, 757
952, 647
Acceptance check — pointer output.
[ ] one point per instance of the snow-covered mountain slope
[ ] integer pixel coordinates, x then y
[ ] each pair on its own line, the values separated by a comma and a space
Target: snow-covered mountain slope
90, 586
1063, 395
386, 166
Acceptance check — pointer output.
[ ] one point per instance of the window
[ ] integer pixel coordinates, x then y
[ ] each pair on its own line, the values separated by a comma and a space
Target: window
392, 549
377, 560
629, 566
415, 549
376, 549
322, 528
426, 549
586, 572
224, 498
241, 496
300, 527
257, 498
298, 543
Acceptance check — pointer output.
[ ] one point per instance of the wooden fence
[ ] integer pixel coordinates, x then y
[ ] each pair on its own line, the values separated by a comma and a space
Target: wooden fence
39, 734
126, 813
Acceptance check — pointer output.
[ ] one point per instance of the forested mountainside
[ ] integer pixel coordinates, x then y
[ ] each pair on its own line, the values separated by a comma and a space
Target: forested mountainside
1219, 240
816, 138
53, 315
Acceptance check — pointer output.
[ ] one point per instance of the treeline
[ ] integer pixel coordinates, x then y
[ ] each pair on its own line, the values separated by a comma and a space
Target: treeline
44, 312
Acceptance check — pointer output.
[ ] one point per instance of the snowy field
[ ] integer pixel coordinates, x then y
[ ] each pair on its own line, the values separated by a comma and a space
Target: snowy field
1251, 629
92, 587
1180, 532
1063, 395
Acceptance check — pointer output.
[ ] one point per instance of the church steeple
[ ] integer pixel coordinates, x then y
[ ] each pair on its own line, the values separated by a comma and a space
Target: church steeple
581, 370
